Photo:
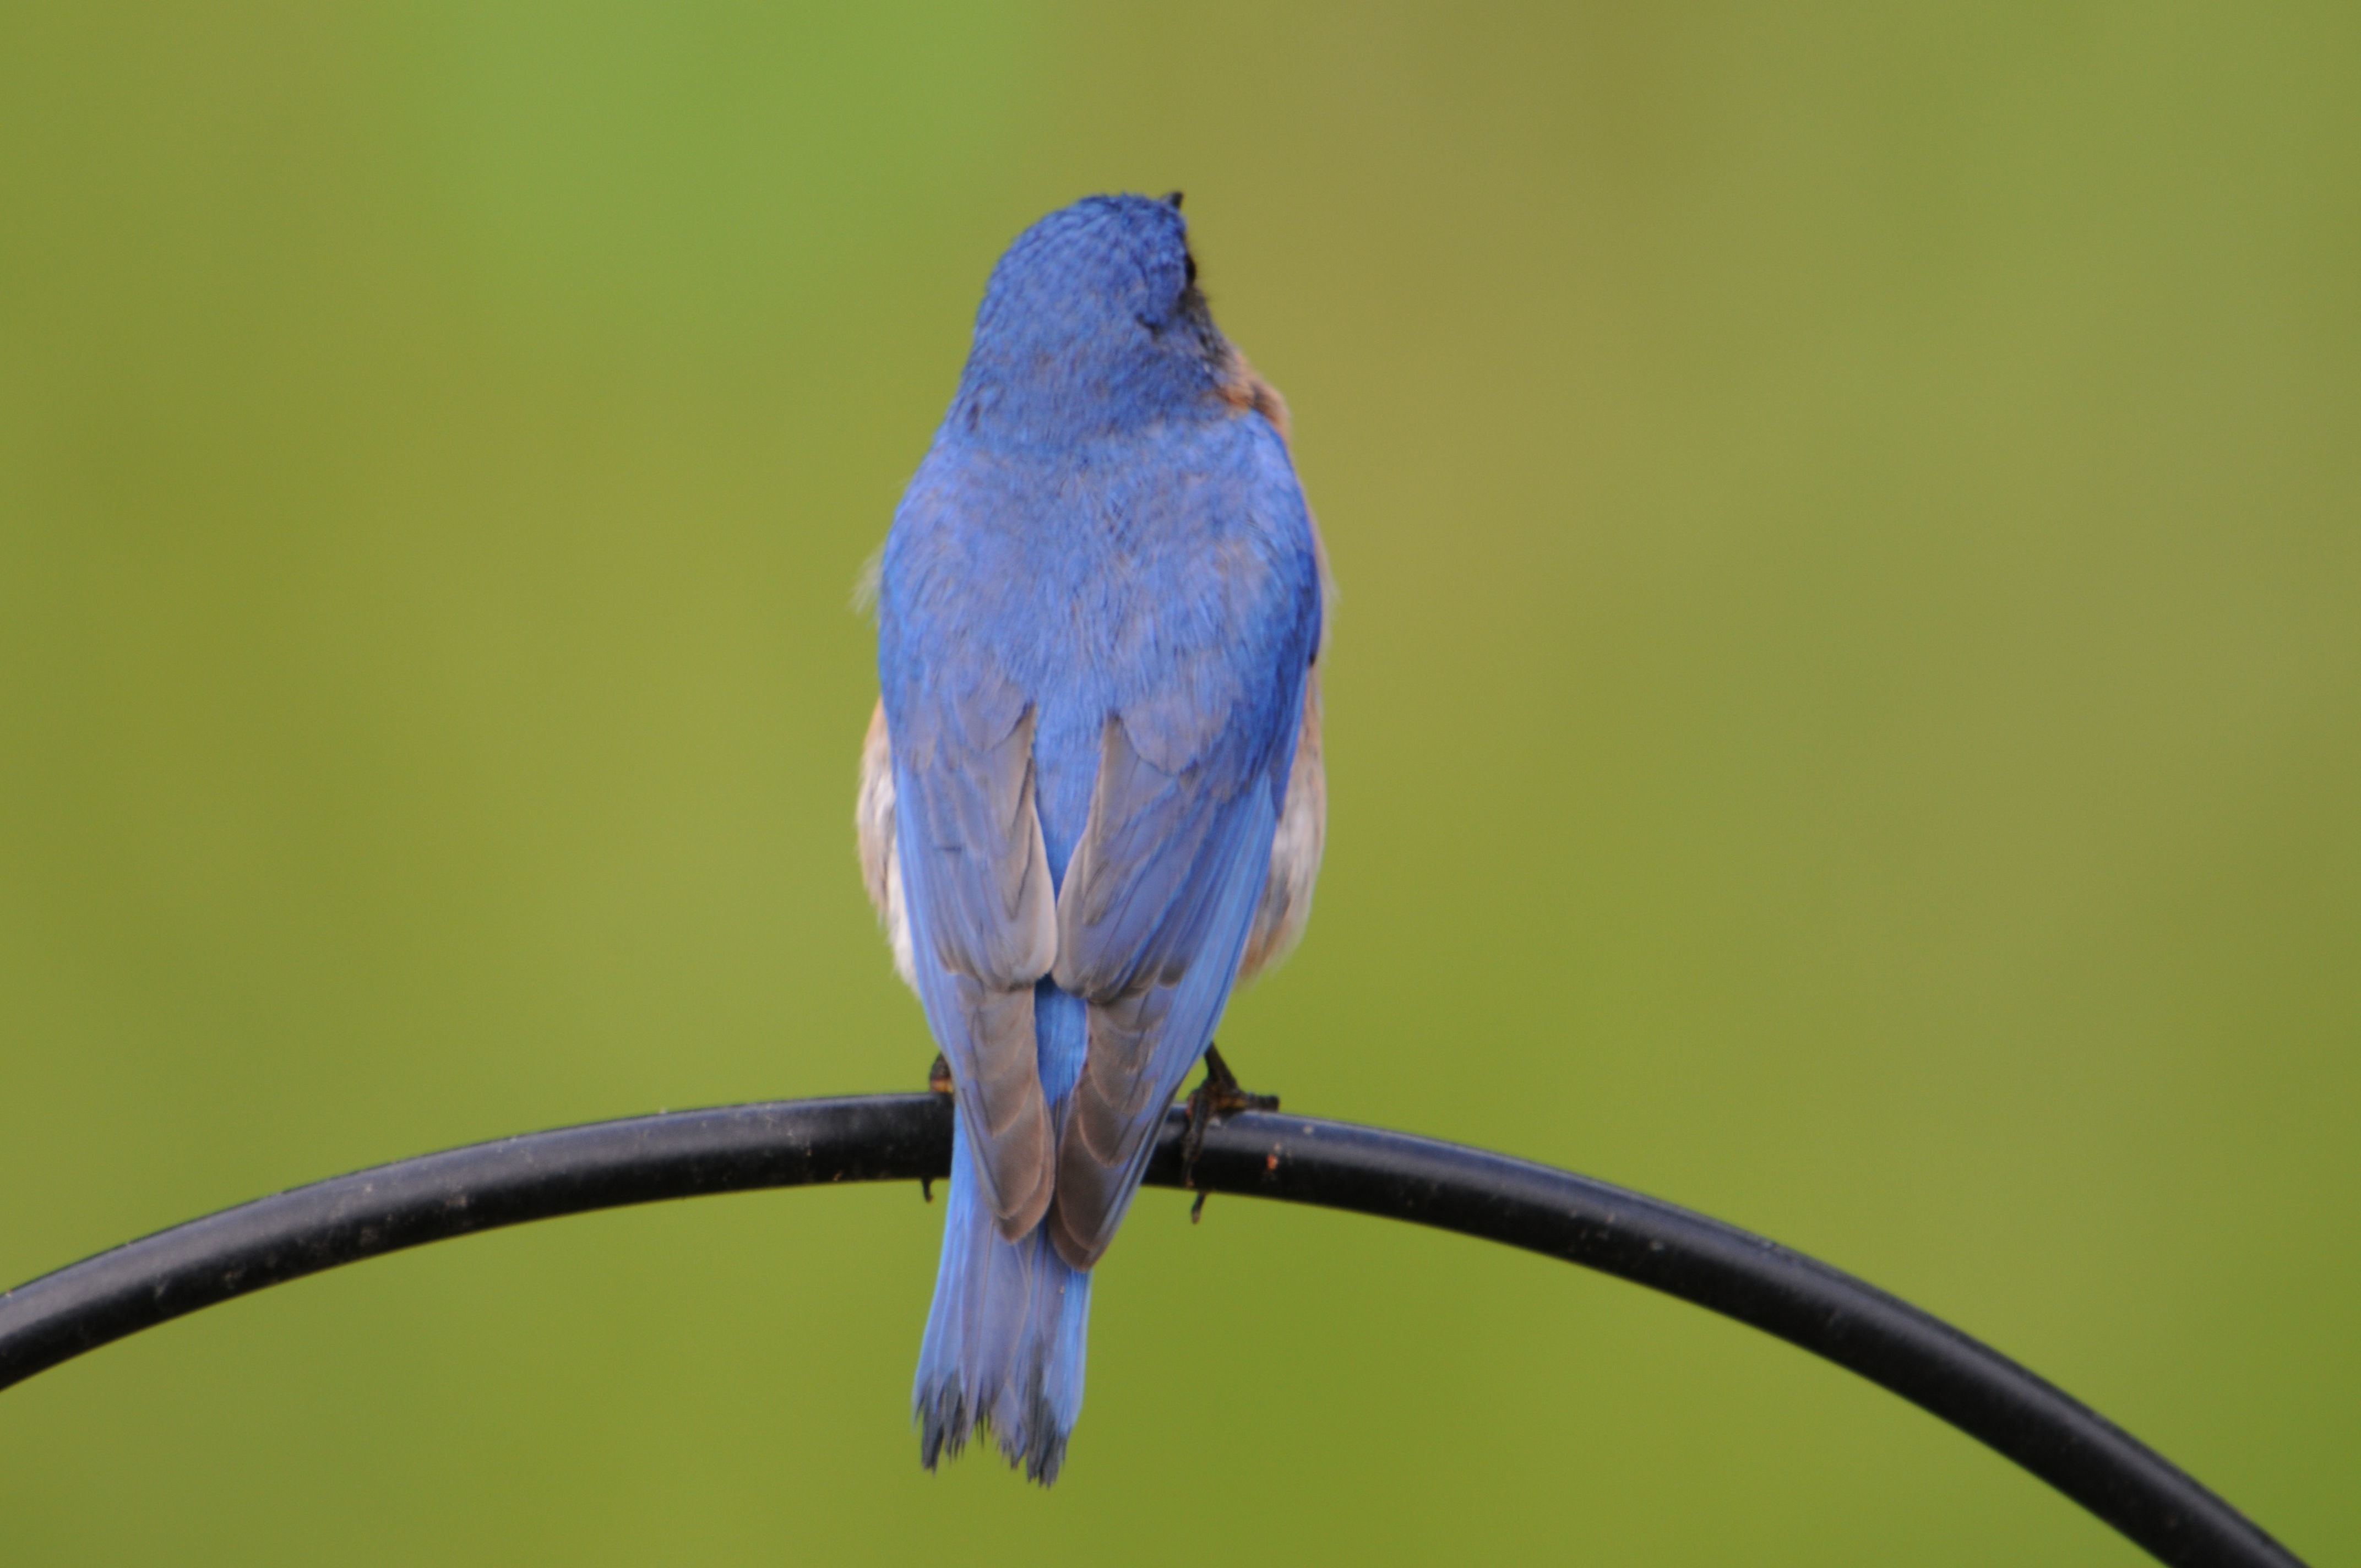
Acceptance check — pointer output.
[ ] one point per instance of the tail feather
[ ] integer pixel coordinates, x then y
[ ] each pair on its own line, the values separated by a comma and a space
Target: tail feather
1007, 1334
1005, 1339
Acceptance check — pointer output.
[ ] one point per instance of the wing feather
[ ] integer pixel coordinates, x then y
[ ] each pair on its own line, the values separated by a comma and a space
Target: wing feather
1152, 918
982, 913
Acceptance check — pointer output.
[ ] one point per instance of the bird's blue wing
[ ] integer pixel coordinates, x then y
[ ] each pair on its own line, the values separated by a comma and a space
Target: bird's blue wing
976, 881
1157, 899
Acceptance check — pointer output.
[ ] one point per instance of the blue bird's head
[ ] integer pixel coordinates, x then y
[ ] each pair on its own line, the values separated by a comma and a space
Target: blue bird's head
1092, 323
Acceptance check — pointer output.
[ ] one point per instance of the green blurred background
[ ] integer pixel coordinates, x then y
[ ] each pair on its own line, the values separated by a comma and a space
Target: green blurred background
1845, 713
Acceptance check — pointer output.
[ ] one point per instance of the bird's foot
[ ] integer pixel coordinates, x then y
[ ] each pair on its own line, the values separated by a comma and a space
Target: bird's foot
1217, 1096
938, 1079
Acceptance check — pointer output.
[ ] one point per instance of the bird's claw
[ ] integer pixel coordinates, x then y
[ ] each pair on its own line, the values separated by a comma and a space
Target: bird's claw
938, 1079
1217, 1096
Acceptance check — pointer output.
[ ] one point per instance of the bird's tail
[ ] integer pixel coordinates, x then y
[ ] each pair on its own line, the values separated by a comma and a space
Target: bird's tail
1005, 1336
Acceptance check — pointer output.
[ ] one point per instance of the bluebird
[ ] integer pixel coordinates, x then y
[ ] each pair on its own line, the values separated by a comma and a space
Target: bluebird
1090, 798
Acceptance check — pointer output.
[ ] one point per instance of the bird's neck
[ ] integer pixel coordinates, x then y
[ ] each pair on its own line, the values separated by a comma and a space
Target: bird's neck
1046, 393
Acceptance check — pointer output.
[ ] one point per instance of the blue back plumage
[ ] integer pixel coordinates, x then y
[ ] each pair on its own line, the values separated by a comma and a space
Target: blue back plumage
1096, 611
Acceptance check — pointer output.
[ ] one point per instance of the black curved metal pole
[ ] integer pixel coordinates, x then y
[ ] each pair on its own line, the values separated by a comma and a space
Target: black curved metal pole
903, 1137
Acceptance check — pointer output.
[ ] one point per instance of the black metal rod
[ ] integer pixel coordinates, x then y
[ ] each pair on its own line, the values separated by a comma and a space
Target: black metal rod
904, 1137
